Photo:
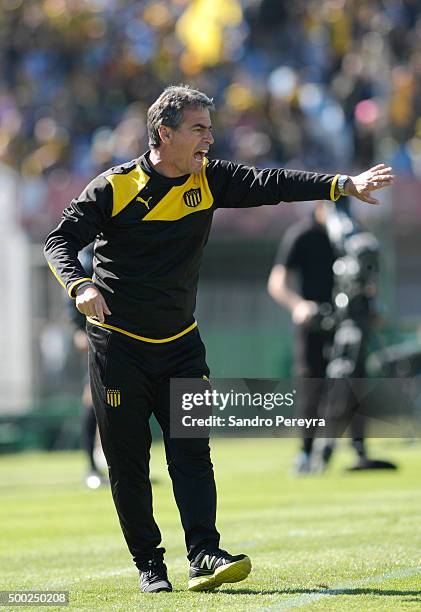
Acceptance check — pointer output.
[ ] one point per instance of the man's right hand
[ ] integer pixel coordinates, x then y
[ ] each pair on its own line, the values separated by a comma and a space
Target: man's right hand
89, 301
303, 311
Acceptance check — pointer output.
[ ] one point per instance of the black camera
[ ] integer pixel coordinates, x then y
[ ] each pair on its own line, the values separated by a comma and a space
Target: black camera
355, 268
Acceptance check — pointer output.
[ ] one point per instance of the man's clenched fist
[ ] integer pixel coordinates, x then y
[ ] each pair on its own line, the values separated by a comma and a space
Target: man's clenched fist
89, 301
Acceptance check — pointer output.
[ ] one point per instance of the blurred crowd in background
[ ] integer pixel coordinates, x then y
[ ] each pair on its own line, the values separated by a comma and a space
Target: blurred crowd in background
329, 85
308, 83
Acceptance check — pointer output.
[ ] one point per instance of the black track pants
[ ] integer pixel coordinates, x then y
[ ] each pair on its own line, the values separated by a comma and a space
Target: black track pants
130, 380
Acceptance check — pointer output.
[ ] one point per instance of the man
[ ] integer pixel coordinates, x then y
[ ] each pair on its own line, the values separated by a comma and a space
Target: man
301, 279
151, 219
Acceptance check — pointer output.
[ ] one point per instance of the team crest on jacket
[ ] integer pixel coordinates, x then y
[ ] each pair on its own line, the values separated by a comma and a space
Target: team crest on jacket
113, 397
192, 197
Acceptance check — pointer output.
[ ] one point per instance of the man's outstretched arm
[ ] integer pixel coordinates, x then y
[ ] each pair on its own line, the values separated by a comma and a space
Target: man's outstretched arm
238, 186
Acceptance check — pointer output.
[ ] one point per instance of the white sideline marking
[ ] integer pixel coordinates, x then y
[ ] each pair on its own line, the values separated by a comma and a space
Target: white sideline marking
309, 598
131, 569
287, 604
87, 577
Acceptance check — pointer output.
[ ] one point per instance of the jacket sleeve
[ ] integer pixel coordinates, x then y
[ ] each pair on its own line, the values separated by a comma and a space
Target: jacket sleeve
81, 222
237, 186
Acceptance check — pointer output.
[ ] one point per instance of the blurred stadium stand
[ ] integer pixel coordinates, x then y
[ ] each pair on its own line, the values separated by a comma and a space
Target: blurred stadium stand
324, 84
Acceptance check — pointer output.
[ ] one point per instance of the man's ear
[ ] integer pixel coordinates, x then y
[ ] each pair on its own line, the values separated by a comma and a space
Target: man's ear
165, 133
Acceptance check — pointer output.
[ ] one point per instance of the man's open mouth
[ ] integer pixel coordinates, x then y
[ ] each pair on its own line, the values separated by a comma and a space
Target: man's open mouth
199, 155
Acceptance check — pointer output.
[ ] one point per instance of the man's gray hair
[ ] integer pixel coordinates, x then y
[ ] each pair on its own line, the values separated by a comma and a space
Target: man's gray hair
169, 107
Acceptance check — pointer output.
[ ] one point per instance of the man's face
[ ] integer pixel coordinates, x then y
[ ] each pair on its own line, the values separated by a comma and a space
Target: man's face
184, 148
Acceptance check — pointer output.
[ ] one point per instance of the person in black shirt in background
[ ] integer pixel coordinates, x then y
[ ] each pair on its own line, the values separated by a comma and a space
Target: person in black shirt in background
302, 280
150, 219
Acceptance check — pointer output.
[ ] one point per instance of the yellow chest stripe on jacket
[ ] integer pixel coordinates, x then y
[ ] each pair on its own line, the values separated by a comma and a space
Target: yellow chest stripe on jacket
182, 200
126, 187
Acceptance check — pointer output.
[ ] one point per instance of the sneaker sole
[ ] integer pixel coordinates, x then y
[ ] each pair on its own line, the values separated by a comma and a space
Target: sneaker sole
233, 572
157, 587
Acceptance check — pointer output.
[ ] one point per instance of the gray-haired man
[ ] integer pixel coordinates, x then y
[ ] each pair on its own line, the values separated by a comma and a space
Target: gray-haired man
150, 219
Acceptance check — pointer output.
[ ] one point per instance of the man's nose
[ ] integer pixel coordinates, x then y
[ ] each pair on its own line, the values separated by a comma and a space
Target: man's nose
209, 139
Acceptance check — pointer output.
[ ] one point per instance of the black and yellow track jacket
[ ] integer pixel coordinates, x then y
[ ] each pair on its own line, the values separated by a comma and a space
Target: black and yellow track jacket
150, 231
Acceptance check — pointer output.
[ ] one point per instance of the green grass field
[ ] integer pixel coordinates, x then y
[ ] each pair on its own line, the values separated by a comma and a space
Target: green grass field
339, 541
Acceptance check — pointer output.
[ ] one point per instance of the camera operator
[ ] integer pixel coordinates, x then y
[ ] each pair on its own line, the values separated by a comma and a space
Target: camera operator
302, 279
